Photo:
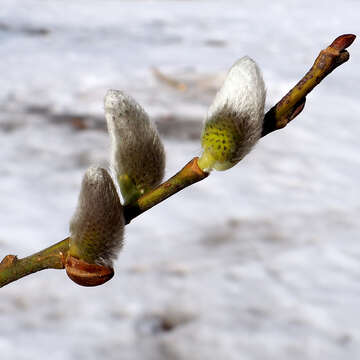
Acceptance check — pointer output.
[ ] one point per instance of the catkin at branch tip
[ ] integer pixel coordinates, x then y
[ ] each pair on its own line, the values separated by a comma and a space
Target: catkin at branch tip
97, 226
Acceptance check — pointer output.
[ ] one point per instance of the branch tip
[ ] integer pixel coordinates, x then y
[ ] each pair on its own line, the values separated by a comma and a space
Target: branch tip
342, 42
293, 102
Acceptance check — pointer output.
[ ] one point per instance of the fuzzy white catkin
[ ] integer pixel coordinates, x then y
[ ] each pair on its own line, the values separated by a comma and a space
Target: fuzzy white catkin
235, 118
97, 227
243, 91
137, 150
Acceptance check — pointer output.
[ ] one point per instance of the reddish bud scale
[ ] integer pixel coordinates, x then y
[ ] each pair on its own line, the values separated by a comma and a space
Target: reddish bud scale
86, 274
342, 42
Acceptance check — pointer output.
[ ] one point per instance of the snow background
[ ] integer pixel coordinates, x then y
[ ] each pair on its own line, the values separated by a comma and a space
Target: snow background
258, 262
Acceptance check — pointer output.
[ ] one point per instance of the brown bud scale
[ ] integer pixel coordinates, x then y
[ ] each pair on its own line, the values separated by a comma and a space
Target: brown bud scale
86, 274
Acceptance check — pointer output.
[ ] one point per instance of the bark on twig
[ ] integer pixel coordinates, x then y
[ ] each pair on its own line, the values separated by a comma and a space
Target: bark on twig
294, 101
53, 257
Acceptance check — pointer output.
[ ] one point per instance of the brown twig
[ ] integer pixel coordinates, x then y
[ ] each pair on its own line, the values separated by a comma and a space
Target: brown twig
54, 257
293, 102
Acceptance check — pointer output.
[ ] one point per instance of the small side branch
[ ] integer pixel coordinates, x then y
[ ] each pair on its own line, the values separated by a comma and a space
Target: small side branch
54, 257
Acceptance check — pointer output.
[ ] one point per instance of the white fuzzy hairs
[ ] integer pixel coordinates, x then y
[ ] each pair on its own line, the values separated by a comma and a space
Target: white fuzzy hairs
137, 150
243, 91
96, 228
236, 114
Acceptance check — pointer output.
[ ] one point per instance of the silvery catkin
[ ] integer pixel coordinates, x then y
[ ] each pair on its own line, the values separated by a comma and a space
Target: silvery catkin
137, 151
97, 227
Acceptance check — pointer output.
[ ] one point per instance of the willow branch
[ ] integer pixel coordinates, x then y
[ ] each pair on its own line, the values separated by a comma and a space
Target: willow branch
53, 257
293, 102
12, 268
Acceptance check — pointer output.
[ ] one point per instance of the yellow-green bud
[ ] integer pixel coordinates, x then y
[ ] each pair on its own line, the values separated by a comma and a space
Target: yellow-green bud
97, 227
138, 156
235, 119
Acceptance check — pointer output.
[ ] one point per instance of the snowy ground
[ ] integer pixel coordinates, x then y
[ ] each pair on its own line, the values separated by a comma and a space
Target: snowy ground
259, 262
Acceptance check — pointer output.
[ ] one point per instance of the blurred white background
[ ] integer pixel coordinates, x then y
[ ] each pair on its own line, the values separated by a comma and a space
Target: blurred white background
259, 262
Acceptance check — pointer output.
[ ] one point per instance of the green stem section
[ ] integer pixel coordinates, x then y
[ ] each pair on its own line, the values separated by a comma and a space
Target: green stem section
188, 175
12, 268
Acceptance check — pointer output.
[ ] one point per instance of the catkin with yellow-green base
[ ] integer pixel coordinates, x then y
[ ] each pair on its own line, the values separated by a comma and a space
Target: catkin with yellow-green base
235, 119
137, 155
97, 227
